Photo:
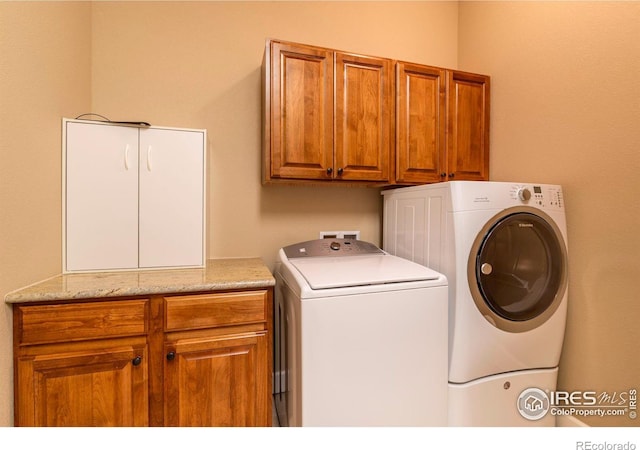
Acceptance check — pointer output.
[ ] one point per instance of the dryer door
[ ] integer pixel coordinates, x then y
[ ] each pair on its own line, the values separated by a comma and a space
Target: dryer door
517, 269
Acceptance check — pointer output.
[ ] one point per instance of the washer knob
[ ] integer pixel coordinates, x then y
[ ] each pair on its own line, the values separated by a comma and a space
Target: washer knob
524, 194
335, 246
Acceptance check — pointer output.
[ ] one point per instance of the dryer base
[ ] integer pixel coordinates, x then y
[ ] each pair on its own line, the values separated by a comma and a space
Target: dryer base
493, 401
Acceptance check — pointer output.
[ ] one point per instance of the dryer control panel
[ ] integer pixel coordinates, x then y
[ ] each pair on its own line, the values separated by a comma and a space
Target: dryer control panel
539, 195
331, 247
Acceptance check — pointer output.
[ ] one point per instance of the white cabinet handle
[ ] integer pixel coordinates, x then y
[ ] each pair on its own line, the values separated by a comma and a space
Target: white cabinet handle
126, 157
149, 158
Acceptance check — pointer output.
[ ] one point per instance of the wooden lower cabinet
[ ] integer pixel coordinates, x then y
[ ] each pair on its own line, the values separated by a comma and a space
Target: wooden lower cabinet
84, 385
217, 382
167, 366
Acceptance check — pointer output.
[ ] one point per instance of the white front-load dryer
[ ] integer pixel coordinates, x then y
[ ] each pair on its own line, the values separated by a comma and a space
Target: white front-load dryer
503, 248
364, 337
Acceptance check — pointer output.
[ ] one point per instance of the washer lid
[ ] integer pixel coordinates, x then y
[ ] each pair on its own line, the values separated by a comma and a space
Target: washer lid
337, 272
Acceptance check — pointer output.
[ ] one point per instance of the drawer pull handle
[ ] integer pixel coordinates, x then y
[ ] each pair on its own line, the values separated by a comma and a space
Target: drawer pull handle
137, 361
171, 356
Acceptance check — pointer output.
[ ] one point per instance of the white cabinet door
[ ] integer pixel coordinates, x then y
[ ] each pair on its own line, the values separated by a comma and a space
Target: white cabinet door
133, 198
171, 220
101, 204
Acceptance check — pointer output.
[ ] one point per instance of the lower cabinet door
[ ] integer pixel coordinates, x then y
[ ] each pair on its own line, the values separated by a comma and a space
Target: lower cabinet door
84, 388
220, 381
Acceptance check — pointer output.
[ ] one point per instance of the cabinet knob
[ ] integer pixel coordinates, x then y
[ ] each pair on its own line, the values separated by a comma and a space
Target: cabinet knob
171, 356
136, 361
443, 175
340, 170
329, 170
451, 175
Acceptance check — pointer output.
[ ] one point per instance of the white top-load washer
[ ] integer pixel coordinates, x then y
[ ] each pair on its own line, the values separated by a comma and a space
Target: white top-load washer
365, 336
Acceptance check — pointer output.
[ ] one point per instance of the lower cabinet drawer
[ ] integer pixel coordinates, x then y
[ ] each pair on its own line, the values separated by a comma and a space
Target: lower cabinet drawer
81, 321
213, 310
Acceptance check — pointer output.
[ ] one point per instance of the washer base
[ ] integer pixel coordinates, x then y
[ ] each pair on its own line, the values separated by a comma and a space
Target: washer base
493, 401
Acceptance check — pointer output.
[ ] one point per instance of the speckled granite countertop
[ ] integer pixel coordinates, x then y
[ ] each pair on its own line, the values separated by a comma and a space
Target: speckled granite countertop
219, 274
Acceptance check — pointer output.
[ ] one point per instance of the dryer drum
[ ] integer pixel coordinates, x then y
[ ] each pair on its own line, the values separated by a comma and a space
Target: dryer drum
519, 269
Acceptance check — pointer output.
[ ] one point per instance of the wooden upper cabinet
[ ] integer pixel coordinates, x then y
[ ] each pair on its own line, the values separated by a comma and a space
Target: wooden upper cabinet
332, 115
442, 125
299, 112
328, 115
468, 126
363, 117
420, 123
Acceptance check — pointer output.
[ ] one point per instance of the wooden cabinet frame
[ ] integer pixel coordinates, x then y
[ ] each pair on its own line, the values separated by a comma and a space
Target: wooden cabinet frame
124, 362
468, 112
341, 117
442, 125
328, 115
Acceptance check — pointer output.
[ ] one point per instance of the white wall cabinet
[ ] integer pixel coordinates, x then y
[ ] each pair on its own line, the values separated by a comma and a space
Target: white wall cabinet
133, 197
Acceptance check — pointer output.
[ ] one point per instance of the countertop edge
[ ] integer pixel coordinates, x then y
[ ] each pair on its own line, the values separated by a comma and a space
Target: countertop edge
12, 299
220, 274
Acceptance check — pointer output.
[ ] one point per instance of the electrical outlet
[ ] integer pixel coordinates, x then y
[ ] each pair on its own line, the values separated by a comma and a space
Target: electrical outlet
340, 234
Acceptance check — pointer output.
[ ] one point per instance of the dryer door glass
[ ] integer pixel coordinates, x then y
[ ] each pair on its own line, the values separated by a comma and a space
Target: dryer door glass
519, 267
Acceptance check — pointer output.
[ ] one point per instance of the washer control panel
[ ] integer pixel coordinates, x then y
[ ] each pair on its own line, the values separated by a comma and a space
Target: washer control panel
331, 247
542, 196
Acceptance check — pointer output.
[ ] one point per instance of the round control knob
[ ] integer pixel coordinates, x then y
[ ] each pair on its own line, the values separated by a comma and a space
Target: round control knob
335, 246
524, 194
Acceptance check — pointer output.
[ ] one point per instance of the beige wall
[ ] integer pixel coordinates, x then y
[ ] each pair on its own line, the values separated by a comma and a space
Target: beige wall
44, 75
182, 64
566, 110
198, 65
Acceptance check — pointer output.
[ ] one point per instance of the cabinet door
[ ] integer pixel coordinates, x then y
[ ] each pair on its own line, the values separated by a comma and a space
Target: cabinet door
171, 198
82, 388
420, 118
218, 382
468, 126
301, 112
101, 200
363, 117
